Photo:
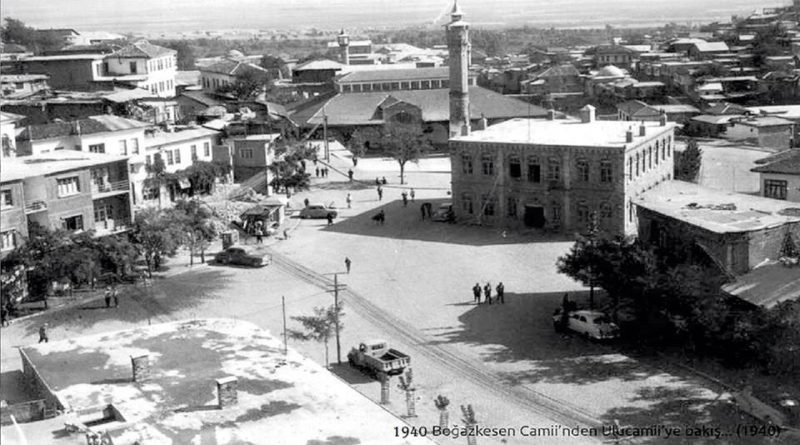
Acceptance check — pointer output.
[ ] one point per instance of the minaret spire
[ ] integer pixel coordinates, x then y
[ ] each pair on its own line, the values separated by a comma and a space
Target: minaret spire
458, 48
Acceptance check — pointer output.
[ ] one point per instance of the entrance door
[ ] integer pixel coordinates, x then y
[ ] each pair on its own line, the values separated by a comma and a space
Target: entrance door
534, 216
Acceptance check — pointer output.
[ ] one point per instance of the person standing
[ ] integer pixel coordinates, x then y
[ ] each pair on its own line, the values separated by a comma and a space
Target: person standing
350, 174
380, 193
347, 263
404, 195
259, 236
383, 180
316, 170
115, 296
476, 293
330, 219
487, 293
43, 334
107, 296
349, 200
422, 210
501, 293
412, 195
306, 202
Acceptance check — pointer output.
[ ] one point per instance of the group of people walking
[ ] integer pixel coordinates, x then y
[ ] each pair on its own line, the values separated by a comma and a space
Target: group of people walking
321, 172
486, 290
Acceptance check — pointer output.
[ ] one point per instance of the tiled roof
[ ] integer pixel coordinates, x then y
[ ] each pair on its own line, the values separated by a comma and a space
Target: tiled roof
559, 71
323, 64
53, 162
359, 108
788, 164
631, 107
143, 49
201, 97
704, 46
441, 72
714, 119
94, 124
233, 68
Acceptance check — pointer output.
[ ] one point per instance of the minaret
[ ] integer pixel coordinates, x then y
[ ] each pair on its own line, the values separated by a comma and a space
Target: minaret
458, 49
344, 46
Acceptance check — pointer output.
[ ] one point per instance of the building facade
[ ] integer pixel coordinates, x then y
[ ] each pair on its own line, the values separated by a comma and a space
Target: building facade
554, 174
780, 176
97, 134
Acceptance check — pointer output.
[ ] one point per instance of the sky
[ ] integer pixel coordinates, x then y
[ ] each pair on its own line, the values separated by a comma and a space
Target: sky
193, 15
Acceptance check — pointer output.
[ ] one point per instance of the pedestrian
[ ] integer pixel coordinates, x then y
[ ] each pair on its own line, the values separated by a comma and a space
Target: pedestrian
315, 160
259, 236
383, 180
487, 293
115, 296
94, 283
324, 172
380, 193
412, 195
305, 201
43, 334
285, 233
355, 161
476, 293
422, 210
347, 263
107, 296
350, 174
383, 217
405, 199
316, 170
501, 293
349, 200
377, 181
330, 219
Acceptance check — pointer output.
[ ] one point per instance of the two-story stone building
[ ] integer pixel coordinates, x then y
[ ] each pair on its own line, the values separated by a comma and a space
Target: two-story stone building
555, 173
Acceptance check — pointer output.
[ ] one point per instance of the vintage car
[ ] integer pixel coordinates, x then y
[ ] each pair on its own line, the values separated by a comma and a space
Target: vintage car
589, 323
241, 256
318, 211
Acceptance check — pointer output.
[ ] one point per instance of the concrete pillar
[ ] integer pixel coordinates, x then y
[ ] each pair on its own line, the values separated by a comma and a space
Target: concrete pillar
226, 392
141, 368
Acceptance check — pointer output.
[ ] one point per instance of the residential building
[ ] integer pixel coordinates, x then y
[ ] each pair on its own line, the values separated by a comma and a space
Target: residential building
97, 134
227, 72
178, 148
554, 174
11, 52
251, 155
780, 176
735, 231
636, 110
68, 71
8, 123
617, 55
22, 85
143, 65
152, 385
555, 80
67, 189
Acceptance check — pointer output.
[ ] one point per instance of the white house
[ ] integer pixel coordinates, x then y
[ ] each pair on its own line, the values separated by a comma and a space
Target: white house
143, 65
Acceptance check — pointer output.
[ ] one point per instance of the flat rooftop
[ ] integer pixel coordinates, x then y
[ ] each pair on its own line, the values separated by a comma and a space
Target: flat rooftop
564, 132
718, 211
52, 162
282, 399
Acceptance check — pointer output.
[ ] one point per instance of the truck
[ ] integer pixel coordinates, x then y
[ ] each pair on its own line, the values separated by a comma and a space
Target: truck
375, 357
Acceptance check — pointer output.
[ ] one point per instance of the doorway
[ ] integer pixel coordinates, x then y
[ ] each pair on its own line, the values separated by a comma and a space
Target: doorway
534, 216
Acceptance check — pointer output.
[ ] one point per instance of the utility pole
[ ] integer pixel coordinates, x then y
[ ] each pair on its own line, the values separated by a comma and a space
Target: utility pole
285, 341
335, 290
325, 135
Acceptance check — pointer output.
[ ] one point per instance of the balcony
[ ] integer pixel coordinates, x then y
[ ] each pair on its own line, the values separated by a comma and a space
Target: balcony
35, 206
110, 227
110, 187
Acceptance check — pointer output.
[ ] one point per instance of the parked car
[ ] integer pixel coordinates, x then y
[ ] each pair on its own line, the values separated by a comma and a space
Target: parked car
590, 324
375, 357
318, 211
444, 213
240, 255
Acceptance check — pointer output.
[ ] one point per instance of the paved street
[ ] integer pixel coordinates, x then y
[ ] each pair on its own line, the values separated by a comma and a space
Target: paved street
410, 284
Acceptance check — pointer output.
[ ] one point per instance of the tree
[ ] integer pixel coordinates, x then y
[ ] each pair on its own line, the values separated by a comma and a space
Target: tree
271, 62
247, 85
15, 31
688, 163
158, 233
470, 421
157, 175
200, 227
358, 145
319, 327
442, 403
407, 385
404, 144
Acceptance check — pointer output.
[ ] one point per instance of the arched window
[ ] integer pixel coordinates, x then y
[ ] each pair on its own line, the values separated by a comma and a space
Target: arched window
637, 165
488, 205
605, 171
466, 203
584, 214
656, 152
606, 211
583, 170
555, 212
630, 168
649, 157
534, 169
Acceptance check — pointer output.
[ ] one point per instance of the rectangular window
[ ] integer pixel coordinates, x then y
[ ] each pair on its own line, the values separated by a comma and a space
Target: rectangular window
170, 159
605, 171
246, 153
514, 168
73, 223
135, 146
556, 213
133, 67
553, 170
534, 171
488, 206
194, 152
6, 198
583, 170
68, 186
466, 164
487, 165
177, 155
466, 203
775, 188
511, 208
8, 240
97, 148
206, 149
123, 147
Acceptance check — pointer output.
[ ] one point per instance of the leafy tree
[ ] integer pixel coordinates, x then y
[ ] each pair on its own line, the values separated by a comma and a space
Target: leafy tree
442, 403
688, 163
199, 224
247, 85
358, 144
157, 175
407, 385
158, 233
271, 62
319, 327
404, 144
15, 31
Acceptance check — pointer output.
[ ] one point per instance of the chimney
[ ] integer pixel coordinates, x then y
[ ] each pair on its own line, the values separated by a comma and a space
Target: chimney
642, 129
587, 114
226, 392
662, 118
141, 368
551, 114
629, 135
482, 123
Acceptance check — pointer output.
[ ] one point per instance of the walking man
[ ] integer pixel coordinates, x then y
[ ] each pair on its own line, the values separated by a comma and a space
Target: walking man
350, 174
380, 193
412, 195
316, 170
43, 334
476, 293
405, 198
349, 200
487, 293
501, 293
347, 263
330, 219
107, 296
259, 236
